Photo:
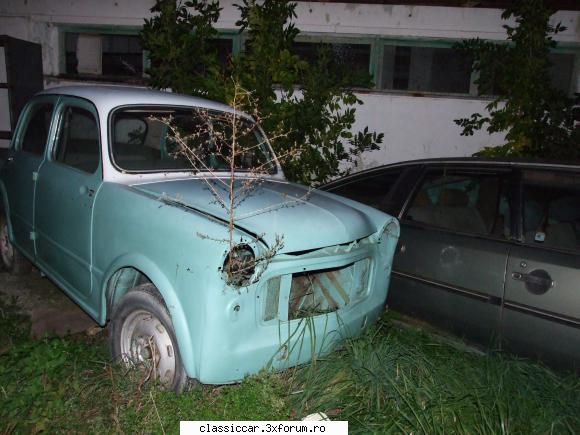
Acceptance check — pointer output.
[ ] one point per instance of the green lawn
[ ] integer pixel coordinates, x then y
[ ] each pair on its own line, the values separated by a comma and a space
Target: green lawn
392, 380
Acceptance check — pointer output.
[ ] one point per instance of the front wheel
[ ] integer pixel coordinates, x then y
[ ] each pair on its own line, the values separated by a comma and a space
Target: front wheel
12, 260
142, 336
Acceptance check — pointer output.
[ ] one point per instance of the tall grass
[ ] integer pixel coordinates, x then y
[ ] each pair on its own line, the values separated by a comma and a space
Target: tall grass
395, 380
68, 385
391, 380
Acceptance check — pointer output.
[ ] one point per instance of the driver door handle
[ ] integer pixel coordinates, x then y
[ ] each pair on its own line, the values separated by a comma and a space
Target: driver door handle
537, 281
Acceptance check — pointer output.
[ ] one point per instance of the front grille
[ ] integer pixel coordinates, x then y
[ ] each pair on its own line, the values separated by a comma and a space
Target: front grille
272, 299
319, 291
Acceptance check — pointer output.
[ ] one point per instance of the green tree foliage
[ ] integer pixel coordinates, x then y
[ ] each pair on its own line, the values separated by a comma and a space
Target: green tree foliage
180, 55
319, 115
268, 59
536, 117
304, 105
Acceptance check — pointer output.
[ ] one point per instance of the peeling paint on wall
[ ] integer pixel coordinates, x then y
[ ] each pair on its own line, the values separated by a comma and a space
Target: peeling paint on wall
46, 34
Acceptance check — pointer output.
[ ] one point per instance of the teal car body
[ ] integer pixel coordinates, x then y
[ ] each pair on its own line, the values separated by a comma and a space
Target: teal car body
98, 231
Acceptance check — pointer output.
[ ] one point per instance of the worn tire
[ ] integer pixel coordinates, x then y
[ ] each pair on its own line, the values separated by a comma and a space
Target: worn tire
141, 334
10, 257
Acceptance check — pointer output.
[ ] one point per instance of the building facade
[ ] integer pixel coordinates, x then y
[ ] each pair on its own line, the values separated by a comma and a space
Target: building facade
421, 83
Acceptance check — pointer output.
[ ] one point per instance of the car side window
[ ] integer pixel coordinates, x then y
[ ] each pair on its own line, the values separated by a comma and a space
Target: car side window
35, 135
370, 189
551, 210
78, 140
474, 203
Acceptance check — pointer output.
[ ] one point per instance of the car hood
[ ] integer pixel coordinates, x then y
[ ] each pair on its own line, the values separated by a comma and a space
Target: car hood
305, 219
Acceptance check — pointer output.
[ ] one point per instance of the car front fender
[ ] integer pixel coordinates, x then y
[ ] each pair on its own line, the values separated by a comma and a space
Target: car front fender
148, 268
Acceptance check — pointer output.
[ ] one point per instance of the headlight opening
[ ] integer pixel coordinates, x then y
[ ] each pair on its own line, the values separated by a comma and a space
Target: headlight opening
239, 266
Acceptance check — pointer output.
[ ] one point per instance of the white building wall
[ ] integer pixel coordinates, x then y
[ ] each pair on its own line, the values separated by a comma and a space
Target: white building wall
419, 127
420, 21
414, 126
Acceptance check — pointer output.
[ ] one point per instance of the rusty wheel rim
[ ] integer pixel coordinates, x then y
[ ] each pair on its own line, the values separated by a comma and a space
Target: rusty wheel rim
146, 343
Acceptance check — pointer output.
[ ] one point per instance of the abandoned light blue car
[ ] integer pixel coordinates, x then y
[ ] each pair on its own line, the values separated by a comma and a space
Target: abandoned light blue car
94, 196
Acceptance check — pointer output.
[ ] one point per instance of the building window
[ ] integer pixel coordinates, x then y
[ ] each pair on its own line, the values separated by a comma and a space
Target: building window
122, 55
405, 66
561, 73
224, 50
350, 60
103, 55
117, 56
562, 70
425, 69
70, 48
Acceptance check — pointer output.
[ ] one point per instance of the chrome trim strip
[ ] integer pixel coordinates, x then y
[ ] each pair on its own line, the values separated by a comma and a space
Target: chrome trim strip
463, 291
548, 315
526, 309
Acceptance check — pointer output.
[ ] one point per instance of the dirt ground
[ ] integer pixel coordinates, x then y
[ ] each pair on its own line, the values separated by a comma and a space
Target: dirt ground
51, 312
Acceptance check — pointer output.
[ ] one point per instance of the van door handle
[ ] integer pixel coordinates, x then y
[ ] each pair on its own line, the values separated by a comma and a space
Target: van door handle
537, 281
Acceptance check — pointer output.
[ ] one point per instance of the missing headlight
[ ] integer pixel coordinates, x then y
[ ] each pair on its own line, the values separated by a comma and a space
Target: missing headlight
239, 266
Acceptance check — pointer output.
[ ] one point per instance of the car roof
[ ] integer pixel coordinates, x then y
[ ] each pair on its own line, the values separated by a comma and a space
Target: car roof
107, 97
491, 161
467, 161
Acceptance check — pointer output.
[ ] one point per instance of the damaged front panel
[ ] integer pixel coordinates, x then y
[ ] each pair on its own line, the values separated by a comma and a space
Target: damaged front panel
316, 292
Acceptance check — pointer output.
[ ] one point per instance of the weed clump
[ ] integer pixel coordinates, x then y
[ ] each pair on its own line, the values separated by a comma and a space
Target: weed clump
397, 380
390, 380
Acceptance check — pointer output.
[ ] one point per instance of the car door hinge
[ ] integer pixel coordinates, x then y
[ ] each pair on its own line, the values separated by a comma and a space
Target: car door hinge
34, 176
33, 235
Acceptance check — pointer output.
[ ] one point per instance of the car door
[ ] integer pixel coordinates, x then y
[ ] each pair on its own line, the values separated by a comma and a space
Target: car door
453, 250
67, 183
542, 297
21, 168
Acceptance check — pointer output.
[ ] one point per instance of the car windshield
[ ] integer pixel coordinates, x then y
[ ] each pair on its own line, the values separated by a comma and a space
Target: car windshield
146, 139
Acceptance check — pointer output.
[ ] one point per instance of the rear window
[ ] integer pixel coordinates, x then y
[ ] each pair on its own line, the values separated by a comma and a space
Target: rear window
371, 189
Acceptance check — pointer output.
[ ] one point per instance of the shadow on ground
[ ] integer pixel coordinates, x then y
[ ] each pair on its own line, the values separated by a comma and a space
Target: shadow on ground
50, 311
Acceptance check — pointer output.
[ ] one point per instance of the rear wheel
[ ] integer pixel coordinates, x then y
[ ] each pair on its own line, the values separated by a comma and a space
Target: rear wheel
12, 260
142, 336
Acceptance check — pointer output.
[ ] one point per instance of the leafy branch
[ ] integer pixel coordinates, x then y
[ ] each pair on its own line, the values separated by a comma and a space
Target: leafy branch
536, 117
311, 102
229, 152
